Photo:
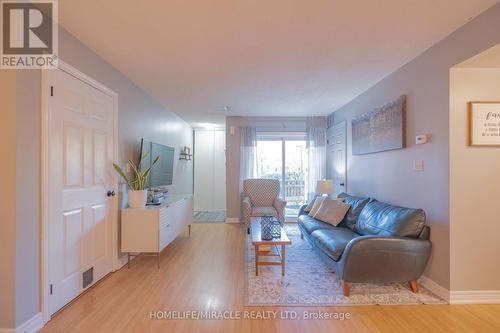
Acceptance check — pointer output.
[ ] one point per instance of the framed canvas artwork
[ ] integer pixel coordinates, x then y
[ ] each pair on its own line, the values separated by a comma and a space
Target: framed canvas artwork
382, 129
484, 124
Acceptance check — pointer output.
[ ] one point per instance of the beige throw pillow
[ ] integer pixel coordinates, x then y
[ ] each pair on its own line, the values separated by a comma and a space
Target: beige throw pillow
332, 211
317, 204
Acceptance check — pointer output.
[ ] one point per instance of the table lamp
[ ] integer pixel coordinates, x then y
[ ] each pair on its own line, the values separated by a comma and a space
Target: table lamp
324, 187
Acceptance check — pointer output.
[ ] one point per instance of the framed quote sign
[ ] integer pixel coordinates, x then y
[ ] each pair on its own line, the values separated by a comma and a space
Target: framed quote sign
484, 124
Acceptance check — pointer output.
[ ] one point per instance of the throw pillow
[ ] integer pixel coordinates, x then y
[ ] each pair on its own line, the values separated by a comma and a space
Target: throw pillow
316, 205
310, 205
332, 211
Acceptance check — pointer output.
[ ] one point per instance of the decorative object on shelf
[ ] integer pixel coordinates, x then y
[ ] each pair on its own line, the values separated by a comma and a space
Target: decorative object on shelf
276, 229
381, 129
266, 227
185, 154
324, 187
137, 193
484, 124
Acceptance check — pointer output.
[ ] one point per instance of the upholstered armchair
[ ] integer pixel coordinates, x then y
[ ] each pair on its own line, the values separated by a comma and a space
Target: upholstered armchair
261, 198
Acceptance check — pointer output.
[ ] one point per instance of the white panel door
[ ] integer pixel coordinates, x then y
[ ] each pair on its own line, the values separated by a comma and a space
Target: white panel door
219, 185
203, 170
80, 152
338, 161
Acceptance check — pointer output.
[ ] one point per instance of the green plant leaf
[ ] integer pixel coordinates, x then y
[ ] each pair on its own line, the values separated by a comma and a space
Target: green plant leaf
122, 174
137, 182
140, 178
142, 158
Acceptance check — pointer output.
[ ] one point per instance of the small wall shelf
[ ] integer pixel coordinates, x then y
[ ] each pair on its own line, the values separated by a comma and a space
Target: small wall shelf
185, 154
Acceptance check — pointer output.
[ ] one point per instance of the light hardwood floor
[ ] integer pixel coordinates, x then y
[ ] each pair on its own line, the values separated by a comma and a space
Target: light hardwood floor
207, 272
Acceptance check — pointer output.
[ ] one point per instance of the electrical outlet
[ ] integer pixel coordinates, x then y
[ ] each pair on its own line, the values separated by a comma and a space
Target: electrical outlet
422, 139
419, 166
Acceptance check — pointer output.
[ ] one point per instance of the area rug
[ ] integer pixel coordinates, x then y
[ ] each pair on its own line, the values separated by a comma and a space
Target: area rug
209, 217
308, 281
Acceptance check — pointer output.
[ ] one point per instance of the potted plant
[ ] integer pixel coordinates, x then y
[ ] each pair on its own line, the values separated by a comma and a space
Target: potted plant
137, 191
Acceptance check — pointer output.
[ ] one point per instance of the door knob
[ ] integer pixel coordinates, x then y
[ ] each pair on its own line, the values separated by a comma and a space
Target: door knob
110, 193
342, 184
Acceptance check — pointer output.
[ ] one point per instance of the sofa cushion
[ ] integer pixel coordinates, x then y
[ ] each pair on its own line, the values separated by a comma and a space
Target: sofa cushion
332, 211
317, 203
309, 224
333, 241
378, 218
264, 211
357, 205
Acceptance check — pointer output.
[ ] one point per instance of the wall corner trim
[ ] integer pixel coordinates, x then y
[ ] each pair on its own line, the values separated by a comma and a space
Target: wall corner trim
475, 297
32, 325
435, 288
232, 220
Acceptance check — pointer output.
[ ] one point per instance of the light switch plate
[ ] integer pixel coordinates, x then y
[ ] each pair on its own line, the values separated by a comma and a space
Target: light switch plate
419, 166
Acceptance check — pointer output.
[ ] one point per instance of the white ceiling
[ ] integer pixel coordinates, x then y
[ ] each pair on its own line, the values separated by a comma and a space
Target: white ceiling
267, 57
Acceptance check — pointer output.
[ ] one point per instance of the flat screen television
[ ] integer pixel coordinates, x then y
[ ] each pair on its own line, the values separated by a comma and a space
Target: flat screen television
163, 171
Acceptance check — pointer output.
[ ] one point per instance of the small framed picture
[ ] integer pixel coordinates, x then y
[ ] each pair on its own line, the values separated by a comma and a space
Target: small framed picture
484, 124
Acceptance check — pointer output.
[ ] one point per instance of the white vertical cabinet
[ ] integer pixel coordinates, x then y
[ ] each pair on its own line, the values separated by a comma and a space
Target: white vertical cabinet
219, 178
210, 170
151, 229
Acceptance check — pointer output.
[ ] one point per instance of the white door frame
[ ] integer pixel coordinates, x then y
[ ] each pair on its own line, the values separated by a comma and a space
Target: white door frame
46, 83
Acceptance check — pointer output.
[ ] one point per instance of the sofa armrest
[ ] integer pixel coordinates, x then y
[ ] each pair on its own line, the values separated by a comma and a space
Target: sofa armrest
280, 205
302, 211
377, 259
246, 210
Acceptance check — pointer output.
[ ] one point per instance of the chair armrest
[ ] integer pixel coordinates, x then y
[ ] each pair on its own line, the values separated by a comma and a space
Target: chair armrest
280, 205
246, 210
302, 211
384, 259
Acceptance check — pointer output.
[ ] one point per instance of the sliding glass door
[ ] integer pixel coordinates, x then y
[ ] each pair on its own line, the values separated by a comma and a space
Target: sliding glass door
283, 156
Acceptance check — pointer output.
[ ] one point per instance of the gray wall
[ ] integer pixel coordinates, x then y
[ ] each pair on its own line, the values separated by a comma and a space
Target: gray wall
139, 115
27, 195
389, 176
7, 199
233, 143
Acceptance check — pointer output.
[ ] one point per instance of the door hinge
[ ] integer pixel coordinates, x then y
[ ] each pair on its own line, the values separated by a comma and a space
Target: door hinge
52, 91
51, 288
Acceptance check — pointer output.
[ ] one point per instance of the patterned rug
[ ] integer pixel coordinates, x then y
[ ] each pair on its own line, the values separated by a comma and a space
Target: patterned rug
308, 281
209, 217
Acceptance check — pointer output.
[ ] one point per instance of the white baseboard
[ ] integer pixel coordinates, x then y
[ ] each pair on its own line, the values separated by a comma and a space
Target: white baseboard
32, 325
233, 220
122, 261
475, 297
462, 296
435, 288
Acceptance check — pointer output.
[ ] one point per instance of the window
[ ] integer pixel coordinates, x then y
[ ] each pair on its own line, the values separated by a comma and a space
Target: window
283, 156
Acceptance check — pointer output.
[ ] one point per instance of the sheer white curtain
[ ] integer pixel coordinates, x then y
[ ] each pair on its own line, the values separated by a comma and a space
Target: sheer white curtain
248, 160
316, 149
